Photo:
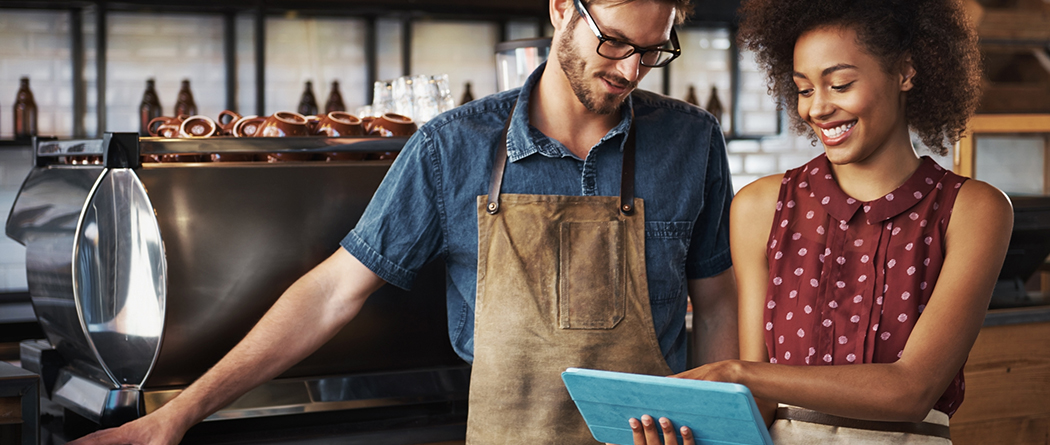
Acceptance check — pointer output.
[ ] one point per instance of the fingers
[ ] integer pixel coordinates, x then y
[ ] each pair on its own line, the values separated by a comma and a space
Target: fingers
687, 436
669, 435
652, 435
636, 431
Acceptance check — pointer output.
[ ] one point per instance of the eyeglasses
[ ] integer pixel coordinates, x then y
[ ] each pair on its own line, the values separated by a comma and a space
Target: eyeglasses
614, 49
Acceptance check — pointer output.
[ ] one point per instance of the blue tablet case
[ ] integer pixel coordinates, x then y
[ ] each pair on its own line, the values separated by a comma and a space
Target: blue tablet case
717, 412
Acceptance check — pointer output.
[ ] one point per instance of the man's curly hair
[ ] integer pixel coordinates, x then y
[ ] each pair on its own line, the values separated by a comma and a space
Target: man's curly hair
935, 33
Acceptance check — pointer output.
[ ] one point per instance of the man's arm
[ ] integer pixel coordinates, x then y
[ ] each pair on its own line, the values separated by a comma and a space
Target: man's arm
715, 331
307, 315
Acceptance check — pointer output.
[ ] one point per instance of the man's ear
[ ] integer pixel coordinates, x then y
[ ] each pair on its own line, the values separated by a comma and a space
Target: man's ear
560, 12
907, 74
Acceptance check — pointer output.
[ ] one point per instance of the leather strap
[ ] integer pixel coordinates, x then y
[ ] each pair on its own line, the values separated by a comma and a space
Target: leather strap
626, 177
498, 165
810, 416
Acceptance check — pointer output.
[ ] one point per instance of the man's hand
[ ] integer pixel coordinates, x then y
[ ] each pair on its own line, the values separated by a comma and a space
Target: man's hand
154, 429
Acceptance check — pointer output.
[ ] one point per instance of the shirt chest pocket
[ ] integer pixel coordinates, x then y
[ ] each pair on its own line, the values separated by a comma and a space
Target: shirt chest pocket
666, 246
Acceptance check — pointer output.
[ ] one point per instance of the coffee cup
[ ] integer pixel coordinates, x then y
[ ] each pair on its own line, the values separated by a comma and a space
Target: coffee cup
246, 126
226, 120
283, 124
339, 124
165, 126
393, 124
198, 127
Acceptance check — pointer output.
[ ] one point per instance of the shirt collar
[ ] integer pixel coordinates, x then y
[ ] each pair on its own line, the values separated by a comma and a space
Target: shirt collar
523, 139
843, 207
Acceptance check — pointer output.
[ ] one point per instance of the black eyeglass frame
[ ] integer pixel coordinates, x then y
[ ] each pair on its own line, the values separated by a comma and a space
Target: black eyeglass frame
675, 51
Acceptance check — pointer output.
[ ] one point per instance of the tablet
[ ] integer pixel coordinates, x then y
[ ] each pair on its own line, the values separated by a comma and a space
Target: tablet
717, 412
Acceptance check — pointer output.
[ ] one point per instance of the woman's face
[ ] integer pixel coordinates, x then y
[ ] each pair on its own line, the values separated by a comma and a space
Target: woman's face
853, 104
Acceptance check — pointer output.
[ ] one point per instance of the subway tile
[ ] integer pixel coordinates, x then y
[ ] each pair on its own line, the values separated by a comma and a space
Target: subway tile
16, 278
736, 163
743, 146
759, 164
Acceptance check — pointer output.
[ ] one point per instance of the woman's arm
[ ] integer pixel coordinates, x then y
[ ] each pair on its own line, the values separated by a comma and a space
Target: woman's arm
976, 242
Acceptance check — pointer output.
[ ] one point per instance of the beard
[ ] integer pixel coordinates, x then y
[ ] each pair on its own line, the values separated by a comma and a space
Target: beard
575, 69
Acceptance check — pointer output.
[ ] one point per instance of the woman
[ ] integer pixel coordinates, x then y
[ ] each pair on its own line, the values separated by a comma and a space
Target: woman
861, 305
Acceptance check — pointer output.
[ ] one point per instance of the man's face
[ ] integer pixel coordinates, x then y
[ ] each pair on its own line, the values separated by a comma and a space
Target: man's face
601, 84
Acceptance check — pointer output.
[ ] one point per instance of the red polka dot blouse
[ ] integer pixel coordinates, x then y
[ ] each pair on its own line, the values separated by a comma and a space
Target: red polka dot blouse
848, 279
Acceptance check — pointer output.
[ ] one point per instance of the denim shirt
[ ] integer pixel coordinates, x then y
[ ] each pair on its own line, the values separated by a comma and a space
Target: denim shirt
426, 207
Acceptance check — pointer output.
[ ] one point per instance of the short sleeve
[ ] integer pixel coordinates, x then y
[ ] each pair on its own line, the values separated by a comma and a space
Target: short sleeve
709, 248
401, 229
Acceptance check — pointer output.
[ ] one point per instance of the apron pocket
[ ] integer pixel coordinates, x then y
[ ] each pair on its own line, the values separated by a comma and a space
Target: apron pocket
591, 270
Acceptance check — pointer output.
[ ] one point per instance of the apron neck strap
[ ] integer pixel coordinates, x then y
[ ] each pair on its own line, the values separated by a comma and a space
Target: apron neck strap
626, 176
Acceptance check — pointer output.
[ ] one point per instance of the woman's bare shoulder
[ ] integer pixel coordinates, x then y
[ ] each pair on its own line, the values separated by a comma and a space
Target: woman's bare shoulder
760, 196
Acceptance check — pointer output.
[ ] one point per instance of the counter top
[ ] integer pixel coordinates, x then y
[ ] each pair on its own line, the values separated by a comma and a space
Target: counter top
1032, 314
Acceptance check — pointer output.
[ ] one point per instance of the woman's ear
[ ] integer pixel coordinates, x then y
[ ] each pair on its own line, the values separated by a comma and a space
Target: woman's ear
907, 73
560, 10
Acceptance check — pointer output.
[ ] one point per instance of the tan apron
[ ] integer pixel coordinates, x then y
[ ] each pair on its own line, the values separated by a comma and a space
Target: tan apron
561, 283
798, 426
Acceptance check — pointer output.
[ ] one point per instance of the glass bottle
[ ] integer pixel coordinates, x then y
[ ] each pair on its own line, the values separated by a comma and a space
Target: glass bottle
25, 111
714, 105
467, 95
184, 104
307, 103
149, 108
335, 99
690, 97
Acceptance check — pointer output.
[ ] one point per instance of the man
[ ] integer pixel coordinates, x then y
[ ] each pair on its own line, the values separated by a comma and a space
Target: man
571, 215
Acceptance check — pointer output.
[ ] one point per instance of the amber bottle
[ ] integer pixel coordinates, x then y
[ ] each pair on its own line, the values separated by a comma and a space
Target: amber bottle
467, 95
335, 100
25, 112
714, 105
307, 103
184, 104
690, 97
149, 108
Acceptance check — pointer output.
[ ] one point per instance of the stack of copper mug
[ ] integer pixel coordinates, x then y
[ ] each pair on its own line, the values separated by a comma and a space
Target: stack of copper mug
279, 124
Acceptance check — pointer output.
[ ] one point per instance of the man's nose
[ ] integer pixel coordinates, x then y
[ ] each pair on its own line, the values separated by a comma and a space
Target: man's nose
630, 67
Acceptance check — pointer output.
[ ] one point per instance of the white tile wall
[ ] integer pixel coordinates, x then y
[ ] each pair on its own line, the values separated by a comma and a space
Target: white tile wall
315, 49
36, 44
466, 51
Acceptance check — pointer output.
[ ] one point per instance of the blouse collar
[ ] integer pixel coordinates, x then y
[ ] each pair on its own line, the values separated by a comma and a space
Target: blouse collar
842, 207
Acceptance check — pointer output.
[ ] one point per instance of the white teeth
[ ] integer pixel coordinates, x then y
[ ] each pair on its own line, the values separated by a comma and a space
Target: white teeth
837, 131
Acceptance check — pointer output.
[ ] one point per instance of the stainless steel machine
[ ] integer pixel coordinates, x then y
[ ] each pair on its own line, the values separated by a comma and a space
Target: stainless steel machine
144, 274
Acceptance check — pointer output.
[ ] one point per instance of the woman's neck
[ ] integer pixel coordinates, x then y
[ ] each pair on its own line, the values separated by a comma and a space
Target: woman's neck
883, 172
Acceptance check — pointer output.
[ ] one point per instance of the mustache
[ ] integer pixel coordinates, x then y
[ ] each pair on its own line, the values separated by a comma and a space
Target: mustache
617, 80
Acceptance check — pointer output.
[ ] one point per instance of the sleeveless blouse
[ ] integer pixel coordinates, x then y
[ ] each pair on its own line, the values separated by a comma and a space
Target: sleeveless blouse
848, 279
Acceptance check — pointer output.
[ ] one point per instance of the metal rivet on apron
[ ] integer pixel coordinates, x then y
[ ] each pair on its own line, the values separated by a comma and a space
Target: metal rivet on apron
493, 207
626, 208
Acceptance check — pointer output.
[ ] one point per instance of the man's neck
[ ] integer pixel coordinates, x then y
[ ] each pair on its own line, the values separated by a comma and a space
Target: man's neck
558, 114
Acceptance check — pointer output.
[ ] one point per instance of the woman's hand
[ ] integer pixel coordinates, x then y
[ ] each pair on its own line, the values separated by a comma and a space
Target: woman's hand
646, 432
723, 371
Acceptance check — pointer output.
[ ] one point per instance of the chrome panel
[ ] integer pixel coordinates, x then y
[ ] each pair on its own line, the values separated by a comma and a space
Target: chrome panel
81, 395
236, 235
281, 145
119, 272
44, 218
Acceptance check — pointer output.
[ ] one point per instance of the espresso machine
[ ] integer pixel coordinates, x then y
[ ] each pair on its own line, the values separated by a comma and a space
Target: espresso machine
144, 273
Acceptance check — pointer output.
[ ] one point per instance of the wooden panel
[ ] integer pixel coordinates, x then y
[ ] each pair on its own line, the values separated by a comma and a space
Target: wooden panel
10, 410
1007, 387
1000, 347
1022, 431
1017, 391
